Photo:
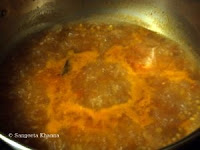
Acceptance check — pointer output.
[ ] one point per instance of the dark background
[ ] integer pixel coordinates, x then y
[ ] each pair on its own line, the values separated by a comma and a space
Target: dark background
194, 145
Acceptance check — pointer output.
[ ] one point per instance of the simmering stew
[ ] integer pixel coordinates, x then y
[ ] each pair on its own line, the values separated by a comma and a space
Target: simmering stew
98, 86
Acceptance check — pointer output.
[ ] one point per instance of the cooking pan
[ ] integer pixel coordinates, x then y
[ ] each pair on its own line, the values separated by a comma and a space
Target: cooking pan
175, 19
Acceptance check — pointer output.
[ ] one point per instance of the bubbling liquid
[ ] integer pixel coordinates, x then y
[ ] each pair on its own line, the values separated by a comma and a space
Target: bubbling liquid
125, 88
